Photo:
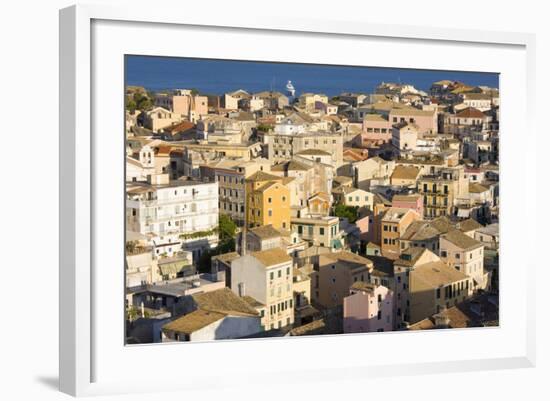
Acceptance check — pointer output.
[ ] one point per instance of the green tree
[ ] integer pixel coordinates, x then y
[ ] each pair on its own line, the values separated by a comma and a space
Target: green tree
143, 102
227, 229
131, 105
349, 212
205, 259
264, 127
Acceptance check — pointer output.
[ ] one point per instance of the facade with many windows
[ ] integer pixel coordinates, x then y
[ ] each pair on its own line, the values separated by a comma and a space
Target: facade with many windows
183, 212
267, 277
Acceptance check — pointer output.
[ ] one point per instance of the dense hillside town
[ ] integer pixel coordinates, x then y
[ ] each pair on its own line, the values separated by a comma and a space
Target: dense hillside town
282, 213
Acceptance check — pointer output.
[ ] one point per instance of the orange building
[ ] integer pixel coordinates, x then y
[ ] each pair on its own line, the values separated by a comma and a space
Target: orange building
267, 201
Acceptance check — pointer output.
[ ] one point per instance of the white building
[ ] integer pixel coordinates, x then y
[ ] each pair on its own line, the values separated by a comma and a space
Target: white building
266, 276
183, 213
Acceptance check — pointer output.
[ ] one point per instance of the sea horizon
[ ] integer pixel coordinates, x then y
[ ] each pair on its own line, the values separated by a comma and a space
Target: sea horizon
216, 77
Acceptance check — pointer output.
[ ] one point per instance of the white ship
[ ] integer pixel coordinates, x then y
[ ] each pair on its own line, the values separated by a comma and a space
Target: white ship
290, 88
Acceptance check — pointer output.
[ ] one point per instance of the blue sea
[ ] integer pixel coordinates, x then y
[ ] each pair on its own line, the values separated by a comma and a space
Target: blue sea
220, 76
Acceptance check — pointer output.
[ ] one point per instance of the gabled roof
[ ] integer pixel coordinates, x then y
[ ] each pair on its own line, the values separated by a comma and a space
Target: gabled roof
410, 256
468, 225
323, 195
402, 172
223, 301
261, 176
291, 165
461, 240
346, 257
178, 127
476, 188
422, 230
193, 321
396, 213
437, 274
375, 117
406, 198
265, 232
211, 307
470, 112
316, 152
272, 257
354, 154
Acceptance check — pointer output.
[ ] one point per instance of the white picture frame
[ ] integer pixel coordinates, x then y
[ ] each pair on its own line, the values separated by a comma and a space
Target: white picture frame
91, 363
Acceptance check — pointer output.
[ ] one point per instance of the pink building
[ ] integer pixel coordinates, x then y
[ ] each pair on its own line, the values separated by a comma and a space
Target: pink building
376, 128
412, 201
368, 308
426, 120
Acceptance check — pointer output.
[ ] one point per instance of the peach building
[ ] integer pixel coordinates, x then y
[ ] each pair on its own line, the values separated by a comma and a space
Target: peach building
336, 274
412, 201
395, 222
464, 254
376, 127
426, 120
368, 308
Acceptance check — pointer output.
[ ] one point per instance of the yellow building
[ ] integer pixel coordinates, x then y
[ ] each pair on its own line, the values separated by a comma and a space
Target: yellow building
442, 191
267, 201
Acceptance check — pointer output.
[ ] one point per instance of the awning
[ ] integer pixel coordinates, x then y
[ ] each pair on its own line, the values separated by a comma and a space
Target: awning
463, 213
337, 244
173, 268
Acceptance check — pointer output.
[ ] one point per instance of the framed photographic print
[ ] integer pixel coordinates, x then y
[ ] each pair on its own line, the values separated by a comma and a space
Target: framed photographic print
255, 191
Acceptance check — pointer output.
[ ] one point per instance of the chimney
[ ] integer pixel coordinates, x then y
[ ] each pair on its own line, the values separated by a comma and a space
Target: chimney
242, 291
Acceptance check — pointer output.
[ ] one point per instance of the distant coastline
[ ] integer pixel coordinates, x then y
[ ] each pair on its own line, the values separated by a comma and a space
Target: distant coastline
221, 76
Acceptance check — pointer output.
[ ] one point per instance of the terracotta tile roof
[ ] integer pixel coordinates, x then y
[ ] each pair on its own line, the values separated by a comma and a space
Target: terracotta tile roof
163, 150
395, 214
261, 176
316, 327
410, 256
265, 232
470, 112
290, 165
405, 172
469, 225
406, 198
476, 188
355, 154
342, 179
193, 321
226, 257
461, 240
182, 126
424, 324
347, 257
437, 274
322, 195
272, 257
313, 152
253, 302
223, 301
480, 311
421, 230
375, 117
